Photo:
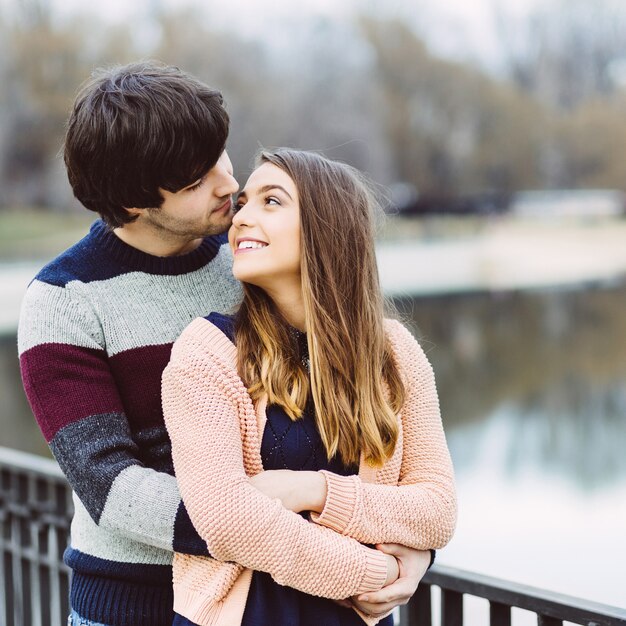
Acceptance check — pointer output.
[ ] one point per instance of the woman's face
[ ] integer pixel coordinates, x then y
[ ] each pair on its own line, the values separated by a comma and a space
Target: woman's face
265, 233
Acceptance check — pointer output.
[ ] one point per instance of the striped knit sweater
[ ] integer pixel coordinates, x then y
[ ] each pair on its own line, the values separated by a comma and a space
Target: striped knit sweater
95, 333
216, 433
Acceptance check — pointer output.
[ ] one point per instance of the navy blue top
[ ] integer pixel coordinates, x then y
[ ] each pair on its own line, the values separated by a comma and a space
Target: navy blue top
295, 446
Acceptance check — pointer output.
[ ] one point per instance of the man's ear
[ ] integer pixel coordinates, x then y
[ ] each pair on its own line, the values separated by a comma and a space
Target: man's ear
134, 211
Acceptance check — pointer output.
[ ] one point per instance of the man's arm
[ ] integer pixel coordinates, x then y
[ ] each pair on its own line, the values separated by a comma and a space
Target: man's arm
413, 565
69, 385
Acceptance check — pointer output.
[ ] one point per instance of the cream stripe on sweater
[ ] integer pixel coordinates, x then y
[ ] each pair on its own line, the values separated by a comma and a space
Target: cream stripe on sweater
216, 440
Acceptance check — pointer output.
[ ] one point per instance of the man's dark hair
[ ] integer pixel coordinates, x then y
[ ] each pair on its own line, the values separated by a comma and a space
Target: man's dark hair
139, 127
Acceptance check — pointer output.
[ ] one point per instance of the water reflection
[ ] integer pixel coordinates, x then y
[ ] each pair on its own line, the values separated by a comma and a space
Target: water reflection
549, 365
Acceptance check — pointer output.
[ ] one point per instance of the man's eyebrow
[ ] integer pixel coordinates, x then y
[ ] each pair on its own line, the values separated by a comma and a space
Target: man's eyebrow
195, 182
265, 189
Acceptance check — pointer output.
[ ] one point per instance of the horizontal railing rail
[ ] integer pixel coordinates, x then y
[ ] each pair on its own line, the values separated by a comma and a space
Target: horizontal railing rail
551, 609
35, 513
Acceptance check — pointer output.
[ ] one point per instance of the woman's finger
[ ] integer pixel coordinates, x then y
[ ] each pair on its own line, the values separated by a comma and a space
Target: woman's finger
376, 610
392, 593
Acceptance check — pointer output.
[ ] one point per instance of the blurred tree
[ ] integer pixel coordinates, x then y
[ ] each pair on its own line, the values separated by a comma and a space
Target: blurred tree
451, 128
592, 141
365, 89
44, 71
563, 50
45, 62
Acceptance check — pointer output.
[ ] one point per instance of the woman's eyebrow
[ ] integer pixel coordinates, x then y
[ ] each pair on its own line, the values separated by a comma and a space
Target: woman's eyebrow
267, 188
264, 189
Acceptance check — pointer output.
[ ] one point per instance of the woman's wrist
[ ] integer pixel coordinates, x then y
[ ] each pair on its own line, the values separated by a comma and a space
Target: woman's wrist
393, 569
316, 492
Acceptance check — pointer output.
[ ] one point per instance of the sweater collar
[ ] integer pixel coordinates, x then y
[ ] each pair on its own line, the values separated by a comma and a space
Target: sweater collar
136, 260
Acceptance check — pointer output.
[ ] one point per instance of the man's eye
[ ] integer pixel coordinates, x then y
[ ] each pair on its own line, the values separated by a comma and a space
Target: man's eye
196, 185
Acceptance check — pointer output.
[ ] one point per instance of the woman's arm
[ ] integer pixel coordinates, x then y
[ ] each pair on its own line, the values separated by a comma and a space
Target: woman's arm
421, 511
202, 402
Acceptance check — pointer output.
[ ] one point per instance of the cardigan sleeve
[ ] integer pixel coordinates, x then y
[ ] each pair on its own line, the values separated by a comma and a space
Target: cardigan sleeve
419, 512
203, 402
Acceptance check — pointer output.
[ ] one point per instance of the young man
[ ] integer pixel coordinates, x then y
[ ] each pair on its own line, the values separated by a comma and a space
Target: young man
145, 148
98, 322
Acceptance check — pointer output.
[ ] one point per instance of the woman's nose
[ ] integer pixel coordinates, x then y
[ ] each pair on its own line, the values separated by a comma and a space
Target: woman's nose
244, 216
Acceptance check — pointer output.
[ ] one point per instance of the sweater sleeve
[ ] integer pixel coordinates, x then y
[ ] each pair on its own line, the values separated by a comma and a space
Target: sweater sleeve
420, 512
74, 397
203, 402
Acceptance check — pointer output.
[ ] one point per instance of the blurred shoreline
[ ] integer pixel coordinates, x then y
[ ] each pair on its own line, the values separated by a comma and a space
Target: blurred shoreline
431, 257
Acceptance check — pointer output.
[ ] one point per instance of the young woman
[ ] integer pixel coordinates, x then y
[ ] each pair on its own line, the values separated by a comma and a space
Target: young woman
306, 427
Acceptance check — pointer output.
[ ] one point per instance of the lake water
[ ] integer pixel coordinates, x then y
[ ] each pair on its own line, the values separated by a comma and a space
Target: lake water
533, 393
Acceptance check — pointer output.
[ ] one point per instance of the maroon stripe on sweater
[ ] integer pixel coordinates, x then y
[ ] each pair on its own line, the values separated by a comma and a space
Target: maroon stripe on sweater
138, 373
65, 384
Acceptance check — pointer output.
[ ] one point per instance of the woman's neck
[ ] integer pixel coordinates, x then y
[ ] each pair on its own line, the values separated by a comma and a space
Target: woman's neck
290, 304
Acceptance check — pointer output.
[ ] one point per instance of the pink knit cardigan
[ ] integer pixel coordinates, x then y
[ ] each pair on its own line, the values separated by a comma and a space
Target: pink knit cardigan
216, 433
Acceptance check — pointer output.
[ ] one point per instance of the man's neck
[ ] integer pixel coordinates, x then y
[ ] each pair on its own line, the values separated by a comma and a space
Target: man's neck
151, 243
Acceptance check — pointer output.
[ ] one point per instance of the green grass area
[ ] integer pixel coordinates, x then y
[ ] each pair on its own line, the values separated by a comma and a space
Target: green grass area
39, 234
36, 234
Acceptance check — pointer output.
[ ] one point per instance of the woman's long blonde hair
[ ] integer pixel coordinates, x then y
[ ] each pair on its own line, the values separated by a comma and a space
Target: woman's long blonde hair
352, 375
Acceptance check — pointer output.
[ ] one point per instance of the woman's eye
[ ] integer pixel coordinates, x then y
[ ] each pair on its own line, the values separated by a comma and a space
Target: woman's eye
272, 200
237, 207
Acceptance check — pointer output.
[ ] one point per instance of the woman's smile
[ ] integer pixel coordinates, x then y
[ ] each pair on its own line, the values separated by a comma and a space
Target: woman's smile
247, 244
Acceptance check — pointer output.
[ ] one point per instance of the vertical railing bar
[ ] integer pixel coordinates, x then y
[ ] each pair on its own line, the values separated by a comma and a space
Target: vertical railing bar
35, 587
420, 607
451, 608
54, 570
3, 575
16, 562
499, 614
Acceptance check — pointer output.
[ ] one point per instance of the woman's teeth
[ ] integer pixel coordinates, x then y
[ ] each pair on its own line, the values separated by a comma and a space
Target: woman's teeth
250, 244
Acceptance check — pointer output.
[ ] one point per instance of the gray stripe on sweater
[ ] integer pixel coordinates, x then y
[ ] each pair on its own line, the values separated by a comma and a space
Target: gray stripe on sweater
144, 504
127, 311
52, 314
105, 543
92, 452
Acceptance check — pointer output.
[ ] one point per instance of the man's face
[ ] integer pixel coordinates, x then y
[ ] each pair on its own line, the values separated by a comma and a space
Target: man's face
200, 209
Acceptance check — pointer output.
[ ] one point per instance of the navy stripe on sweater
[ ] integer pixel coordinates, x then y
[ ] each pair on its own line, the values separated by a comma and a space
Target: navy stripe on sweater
83, 261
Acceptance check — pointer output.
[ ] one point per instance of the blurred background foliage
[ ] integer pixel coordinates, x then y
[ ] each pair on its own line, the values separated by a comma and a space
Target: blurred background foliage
368, 88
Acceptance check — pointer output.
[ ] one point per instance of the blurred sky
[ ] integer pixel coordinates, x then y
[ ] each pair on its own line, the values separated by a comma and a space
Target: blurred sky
461, 29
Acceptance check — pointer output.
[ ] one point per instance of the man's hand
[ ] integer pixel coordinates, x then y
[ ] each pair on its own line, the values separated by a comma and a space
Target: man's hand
298, 491
413, 565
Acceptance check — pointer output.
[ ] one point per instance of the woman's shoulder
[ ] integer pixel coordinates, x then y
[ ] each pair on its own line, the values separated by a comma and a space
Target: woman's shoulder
404, 345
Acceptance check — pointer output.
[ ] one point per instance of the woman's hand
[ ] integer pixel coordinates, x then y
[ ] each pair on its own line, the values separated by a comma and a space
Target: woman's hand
413, 565
298, 491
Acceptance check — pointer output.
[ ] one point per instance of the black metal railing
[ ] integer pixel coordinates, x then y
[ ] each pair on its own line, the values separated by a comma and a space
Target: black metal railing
551, 609
35, 513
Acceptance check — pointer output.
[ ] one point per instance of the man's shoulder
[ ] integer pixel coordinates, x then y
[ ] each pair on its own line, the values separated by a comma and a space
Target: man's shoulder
82, 261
